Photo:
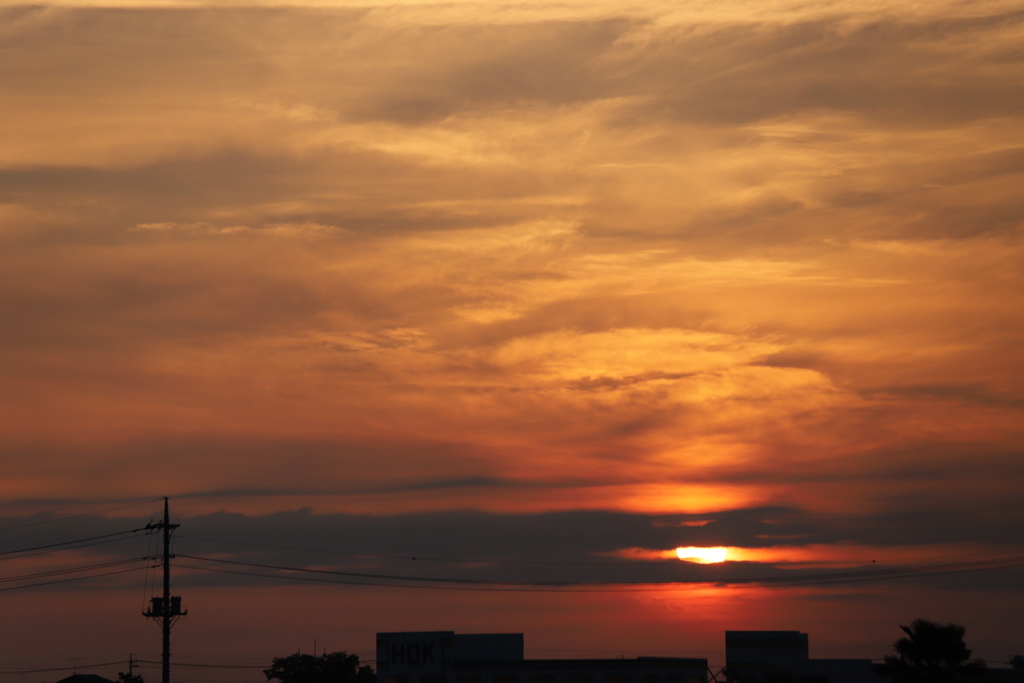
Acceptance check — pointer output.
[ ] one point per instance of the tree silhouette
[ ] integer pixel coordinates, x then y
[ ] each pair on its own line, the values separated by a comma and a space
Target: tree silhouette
335, 667
932, 652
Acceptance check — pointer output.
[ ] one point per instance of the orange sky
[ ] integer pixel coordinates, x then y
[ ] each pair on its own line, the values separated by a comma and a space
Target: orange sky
652, 258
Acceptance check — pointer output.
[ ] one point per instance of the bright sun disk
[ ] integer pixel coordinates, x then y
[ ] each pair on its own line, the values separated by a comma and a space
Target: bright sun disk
701, 555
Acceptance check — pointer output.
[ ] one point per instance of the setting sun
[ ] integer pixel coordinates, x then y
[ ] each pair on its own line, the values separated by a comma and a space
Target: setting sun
701, 555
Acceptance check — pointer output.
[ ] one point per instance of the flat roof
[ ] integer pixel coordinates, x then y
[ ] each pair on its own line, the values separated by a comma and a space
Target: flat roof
608, 662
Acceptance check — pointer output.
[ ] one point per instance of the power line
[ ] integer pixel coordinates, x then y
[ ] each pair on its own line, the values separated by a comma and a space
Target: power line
495, 589
477, 559
70, 570
397, 577
209, 666
61, 668
873, 574
77, 578
373, 579
59, 550
81, 540
84, 514
415, 558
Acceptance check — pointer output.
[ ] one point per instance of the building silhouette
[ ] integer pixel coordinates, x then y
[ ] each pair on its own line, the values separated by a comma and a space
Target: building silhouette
448, 657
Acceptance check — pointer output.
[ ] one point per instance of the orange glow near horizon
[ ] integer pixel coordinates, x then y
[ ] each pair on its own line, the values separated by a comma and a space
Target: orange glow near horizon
702, 555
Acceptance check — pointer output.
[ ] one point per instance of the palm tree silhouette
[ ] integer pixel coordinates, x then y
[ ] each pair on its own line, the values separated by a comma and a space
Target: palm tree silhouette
932, 652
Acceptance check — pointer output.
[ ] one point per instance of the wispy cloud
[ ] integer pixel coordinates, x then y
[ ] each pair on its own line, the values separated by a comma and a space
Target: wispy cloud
525, 259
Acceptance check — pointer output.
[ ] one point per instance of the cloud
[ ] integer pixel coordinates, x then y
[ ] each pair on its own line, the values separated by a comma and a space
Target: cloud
571, 546
534, 290
648, 260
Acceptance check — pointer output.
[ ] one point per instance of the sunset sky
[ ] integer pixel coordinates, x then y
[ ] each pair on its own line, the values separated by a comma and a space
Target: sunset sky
535, 290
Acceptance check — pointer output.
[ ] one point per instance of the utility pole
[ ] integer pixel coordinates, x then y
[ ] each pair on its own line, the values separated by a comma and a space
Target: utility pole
165, 609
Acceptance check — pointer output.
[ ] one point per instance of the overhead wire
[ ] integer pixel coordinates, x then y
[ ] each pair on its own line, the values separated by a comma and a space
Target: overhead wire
71, 570
67, 543
375, 579
477, 560
61, 668
410, 581
912, 571
64, 546
416, 558
75, 547
208, 666
84, 514
397, 577
310, 579
76, 578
